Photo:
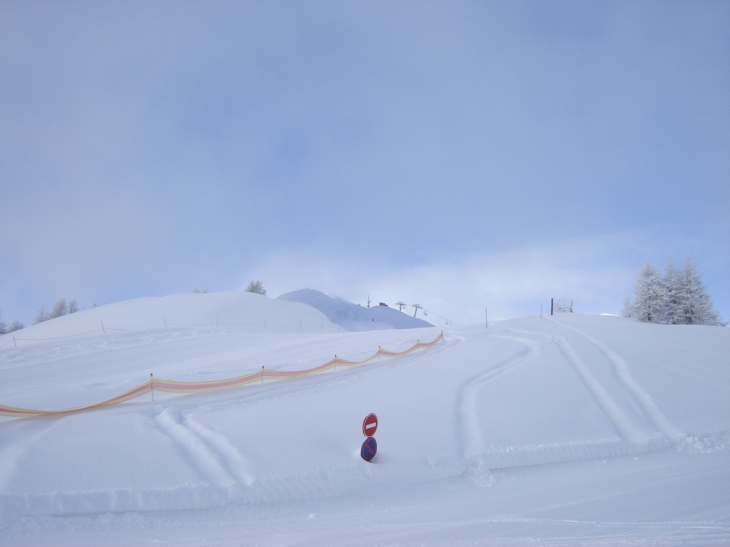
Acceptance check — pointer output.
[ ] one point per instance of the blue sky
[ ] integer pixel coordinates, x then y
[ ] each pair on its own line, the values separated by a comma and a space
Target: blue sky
461, 155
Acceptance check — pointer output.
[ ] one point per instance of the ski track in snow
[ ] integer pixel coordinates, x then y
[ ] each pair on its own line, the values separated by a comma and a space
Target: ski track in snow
621, 369
202, 458
477, 455
233, 461
621, 422
472, 438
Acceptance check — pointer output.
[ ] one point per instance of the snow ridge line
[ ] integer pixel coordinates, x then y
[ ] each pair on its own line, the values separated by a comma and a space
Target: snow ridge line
645, 400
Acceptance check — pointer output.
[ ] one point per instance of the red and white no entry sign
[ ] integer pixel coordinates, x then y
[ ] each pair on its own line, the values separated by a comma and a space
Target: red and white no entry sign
370, 425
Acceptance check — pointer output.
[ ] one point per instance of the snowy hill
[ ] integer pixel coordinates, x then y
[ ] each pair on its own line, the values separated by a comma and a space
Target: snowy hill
353, 317
237, 308
571, 430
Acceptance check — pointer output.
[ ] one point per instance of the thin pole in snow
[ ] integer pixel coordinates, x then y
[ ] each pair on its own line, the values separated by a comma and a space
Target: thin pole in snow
102, 326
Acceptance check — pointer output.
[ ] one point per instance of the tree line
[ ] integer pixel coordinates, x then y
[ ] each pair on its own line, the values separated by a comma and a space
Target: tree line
61, 307
676, 298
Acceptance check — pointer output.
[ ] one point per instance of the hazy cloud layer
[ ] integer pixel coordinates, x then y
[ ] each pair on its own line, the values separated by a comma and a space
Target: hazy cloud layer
150, 148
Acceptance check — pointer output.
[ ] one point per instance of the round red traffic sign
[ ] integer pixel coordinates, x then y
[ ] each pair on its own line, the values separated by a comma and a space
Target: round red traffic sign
370, 425
369, 448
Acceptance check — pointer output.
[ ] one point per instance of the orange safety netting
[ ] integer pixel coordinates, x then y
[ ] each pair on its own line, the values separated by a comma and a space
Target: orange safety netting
173, 386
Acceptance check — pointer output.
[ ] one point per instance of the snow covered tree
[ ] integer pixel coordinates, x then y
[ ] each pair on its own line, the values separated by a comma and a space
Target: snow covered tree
256, 287
3, 326
15, 325
73, 307
628, 309
694, 305
40, 316
678, 298
671, 309
59, 308
648, 298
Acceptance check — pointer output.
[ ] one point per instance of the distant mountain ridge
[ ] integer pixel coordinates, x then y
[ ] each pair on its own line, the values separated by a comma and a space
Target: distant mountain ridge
353, 317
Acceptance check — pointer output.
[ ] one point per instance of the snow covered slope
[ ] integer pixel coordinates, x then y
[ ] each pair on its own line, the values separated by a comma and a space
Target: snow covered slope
353, 317
235, 309
570, 430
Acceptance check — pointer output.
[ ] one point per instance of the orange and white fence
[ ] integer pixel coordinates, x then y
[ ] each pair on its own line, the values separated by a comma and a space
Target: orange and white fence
173, 386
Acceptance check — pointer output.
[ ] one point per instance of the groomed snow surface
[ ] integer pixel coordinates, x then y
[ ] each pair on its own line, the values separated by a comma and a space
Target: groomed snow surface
570, 430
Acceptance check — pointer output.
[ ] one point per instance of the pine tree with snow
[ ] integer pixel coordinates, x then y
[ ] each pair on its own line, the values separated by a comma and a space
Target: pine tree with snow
3, 326
629, 309
694, 304
648, 302
671, 307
